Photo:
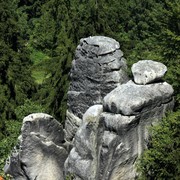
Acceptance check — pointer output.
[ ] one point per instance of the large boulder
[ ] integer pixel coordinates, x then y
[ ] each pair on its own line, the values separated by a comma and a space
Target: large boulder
130, 98
42, 150
98, 68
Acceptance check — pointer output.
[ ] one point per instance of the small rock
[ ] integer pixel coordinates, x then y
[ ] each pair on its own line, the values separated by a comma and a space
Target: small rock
148, 71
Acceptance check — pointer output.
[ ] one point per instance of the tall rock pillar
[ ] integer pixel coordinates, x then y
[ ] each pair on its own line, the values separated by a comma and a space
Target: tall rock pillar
98, 68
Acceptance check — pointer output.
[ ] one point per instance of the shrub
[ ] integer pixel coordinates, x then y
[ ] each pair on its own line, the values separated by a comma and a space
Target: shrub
162, 159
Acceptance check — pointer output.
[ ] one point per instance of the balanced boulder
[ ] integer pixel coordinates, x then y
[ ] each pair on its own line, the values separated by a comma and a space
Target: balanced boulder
148, 71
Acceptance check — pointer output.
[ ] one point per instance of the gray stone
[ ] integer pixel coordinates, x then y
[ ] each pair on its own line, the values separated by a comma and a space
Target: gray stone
107, 145
122, 127
131, 99
119, 123
148, 71
42, 151
72, 124
92, 113
124, 140
107, 45
83, 159
98, 67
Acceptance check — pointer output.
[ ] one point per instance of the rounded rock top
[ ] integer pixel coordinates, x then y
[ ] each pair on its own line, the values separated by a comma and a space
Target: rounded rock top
148, 71
35, 116
104, 44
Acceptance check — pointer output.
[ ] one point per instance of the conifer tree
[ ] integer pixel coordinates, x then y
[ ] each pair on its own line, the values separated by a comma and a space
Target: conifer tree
60, 50
16, 83
168, 38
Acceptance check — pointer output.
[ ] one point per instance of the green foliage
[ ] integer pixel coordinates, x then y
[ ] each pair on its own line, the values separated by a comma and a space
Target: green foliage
37, 57
166, 17
27, 108
162, 159
16, 83
39, 69
69, 177
8, 142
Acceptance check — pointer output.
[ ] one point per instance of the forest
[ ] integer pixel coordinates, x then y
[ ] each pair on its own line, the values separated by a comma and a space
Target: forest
37, 44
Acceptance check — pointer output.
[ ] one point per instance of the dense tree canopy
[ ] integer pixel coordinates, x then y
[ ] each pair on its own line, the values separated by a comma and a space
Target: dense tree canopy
38, 39
16, 83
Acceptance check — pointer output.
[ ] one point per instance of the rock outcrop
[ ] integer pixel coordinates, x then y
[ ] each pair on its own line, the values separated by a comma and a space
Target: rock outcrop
42, 150
98, 68
122, 135
107, 121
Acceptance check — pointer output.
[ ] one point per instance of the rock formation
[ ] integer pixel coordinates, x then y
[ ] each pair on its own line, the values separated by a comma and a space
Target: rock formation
41, 152
98, 68
114, 133
107, 119
107, 145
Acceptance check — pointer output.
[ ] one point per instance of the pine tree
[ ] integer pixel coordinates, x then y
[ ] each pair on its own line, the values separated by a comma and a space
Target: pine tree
60, 50
16, 82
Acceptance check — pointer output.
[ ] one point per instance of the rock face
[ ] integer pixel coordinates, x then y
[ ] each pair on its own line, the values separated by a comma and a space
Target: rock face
107, 119
114, 134
128, 111
83, 160
98, 68
42, 150
148, 71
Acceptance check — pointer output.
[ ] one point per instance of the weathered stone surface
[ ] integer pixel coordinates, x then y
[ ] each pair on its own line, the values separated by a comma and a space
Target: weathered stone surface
148, 71
128, 112
83, 159
107, 145
119, 123
92, 44
72, 124
42, 150
97, 69
119, 154
130, 98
